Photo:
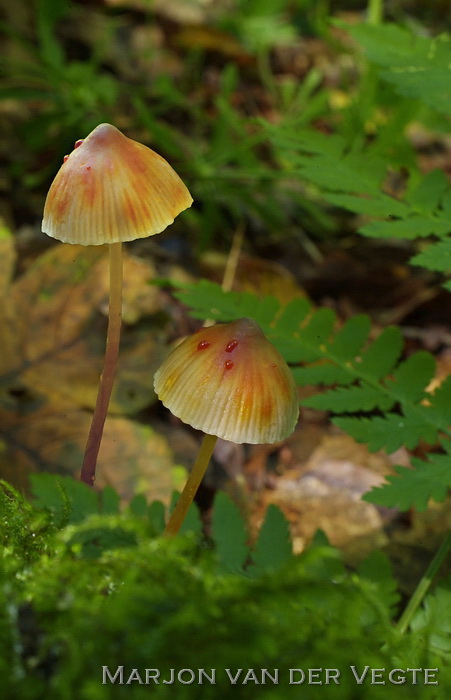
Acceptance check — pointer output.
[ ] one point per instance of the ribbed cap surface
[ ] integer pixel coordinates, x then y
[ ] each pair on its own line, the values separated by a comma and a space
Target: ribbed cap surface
112, 189
229, 380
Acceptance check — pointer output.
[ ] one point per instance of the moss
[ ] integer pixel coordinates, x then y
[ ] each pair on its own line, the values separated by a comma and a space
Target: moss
25, 534
106, 593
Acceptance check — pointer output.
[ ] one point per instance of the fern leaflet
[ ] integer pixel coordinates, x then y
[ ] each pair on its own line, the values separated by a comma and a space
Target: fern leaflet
415, 486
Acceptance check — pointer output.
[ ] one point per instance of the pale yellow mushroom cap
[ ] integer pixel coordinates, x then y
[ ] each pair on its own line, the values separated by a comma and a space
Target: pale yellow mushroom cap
112, 189
229, 380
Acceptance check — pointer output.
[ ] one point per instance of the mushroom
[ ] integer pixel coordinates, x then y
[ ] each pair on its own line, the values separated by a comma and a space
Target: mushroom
229, 381
111, 189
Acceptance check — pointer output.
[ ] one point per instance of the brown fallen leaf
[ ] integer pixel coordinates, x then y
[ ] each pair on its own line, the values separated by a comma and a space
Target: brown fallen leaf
52, 332
50, 436
176, 10
324, 493
8, 346
57, 328
139, 298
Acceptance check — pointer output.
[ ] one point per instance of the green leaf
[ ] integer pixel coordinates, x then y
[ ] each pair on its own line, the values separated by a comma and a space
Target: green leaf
138, 505
381, 356
83, 501
318, 327
229, 533
410, 228
350, 399
109, 500
446, 204
412, 376
389, 432
48, 13
208, 300
428, 194
351, 338
48, 494
340, 175
418, 67
413, 488
354, 179
191, 522
68, 500
273, 547
92, 542
322, 374
156, 514
292, 315
433, 621
440, 402
377, 569
437, 256
381, 205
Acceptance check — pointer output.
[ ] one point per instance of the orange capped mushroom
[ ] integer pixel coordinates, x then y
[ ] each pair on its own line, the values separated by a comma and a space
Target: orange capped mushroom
111, 189
229, 381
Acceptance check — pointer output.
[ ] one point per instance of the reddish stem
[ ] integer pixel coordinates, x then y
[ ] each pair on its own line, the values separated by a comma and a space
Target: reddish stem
88, 470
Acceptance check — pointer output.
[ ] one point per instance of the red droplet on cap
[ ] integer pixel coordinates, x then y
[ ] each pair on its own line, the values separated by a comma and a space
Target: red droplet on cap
203, 345
78, 143
65, 158
228, 364
230, 347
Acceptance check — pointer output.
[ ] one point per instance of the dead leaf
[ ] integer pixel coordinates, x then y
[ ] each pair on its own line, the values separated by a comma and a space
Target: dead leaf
8, 347
175, 10
139, 297
209, 38
59, 334
53, 342
324, 493
43, 436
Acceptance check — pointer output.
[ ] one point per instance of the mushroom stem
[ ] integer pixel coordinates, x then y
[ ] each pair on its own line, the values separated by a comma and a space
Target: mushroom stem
88, 470
191, 486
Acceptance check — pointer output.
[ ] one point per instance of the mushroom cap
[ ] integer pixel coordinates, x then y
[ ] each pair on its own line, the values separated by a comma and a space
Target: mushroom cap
229, 380
112, 189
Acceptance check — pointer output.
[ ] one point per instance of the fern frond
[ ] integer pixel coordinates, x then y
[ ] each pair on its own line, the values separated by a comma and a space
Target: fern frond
437, 256
417, 66
412, 377
351, 399
428, 480
350, 339
360, 376
410, 228
382, 205
382, 355
323, 374
390, 431
208, 300
432, 620
354, 180
440, 404
377, 567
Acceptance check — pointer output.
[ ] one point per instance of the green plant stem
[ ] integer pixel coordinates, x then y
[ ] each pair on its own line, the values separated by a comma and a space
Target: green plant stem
375, 11
423, 585
88, 471
191, 486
